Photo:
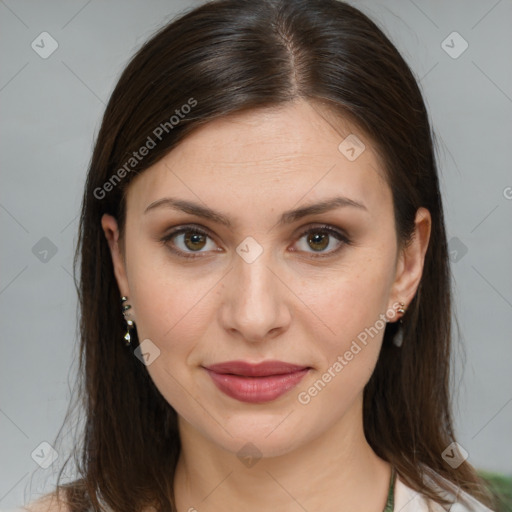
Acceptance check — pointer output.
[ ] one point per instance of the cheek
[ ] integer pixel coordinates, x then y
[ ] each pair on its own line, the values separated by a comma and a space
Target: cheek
353, 298
166, 299
353, 307
168, 309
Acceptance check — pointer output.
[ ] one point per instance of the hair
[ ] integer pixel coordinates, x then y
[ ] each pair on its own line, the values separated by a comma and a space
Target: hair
231, 56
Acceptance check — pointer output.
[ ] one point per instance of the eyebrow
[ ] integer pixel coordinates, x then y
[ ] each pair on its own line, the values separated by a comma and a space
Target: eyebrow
287, 217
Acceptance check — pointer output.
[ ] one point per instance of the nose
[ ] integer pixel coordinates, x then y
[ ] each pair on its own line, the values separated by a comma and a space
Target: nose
255, 304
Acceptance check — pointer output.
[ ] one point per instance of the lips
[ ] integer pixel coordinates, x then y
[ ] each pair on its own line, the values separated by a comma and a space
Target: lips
263, 369
256, 383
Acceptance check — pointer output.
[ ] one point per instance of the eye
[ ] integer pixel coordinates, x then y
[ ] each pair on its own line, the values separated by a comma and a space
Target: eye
320, 237
190, 238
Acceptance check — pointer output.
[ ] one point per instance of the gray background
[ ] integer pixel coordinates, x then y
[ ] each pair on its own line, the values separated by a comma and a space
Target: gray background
50, 114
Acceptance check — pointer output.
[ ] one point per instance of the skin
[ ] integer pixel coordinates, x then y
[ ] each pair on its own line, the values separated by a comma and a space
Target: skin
285, 305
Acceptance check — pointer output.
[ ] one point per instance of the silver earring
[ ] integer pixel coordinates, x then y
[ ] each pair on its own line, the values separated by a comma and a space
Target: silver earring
129, 323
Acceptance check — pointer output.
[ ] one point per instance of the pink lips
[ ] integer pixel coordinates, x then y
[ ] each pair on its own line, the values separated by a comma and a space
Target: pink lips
256, 383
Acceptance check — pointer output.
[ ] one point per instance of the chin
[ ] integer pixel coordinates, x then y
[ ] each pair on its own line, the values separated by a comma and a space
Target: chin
261, 435
260, 445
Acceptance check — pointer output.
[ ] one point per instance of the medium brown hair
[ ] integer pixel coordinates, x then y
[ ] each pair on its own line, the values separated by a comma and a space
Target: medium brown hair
224, 57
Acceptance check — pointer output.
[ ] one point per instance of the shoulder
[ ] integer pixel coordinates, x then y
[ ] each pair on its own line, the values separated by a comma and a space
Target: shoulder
409, 500
47, 503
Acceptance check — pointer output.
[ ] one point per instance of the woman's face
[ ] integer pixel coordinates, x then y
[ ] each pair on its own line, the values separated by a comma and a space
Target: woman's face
273, 285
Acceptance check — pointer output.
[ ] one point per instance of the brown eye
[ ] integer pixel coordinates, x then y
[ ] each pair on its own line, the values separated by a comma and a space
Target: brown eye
194, 241
186, 241
318, 239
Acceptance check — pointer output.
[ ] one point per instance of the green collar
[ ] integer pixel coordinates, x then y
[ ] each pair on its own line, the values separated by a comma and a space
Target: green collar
390, 504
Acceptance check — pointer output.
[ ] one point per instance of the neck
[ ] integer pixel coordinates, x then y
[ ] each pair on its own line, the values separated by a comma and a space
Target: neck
335, 471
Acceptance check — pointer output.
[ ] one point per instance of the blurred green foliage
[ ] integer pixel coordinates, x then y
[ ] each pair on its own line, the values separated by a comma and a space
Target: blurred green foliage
501, 486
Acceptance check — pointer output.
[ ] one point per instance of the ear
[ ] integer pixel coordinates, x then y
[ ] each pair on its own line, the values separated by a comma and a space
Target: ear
111, 230
409, 268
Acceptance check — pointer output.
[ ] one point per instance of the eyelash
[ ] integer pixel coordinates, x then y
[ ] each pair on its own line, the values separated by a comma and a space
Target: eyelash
340, 236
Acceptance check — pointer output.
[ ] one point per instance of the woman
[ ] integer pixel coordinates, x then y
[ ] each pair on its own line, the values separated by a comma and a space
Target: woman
265, 288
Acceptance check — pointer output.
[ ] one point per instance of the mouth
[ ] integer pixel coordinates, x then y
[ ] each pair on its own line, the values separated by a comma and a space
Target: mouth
256, 383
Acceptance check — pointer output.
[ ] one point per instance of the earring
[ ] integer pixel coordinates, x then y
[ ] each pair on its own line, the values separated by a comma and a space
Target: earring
125, 308
398, 339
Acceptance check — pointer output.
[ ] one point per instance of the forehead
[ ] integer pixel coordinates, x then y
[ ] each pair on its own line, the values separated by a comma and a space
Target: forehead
277, 156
